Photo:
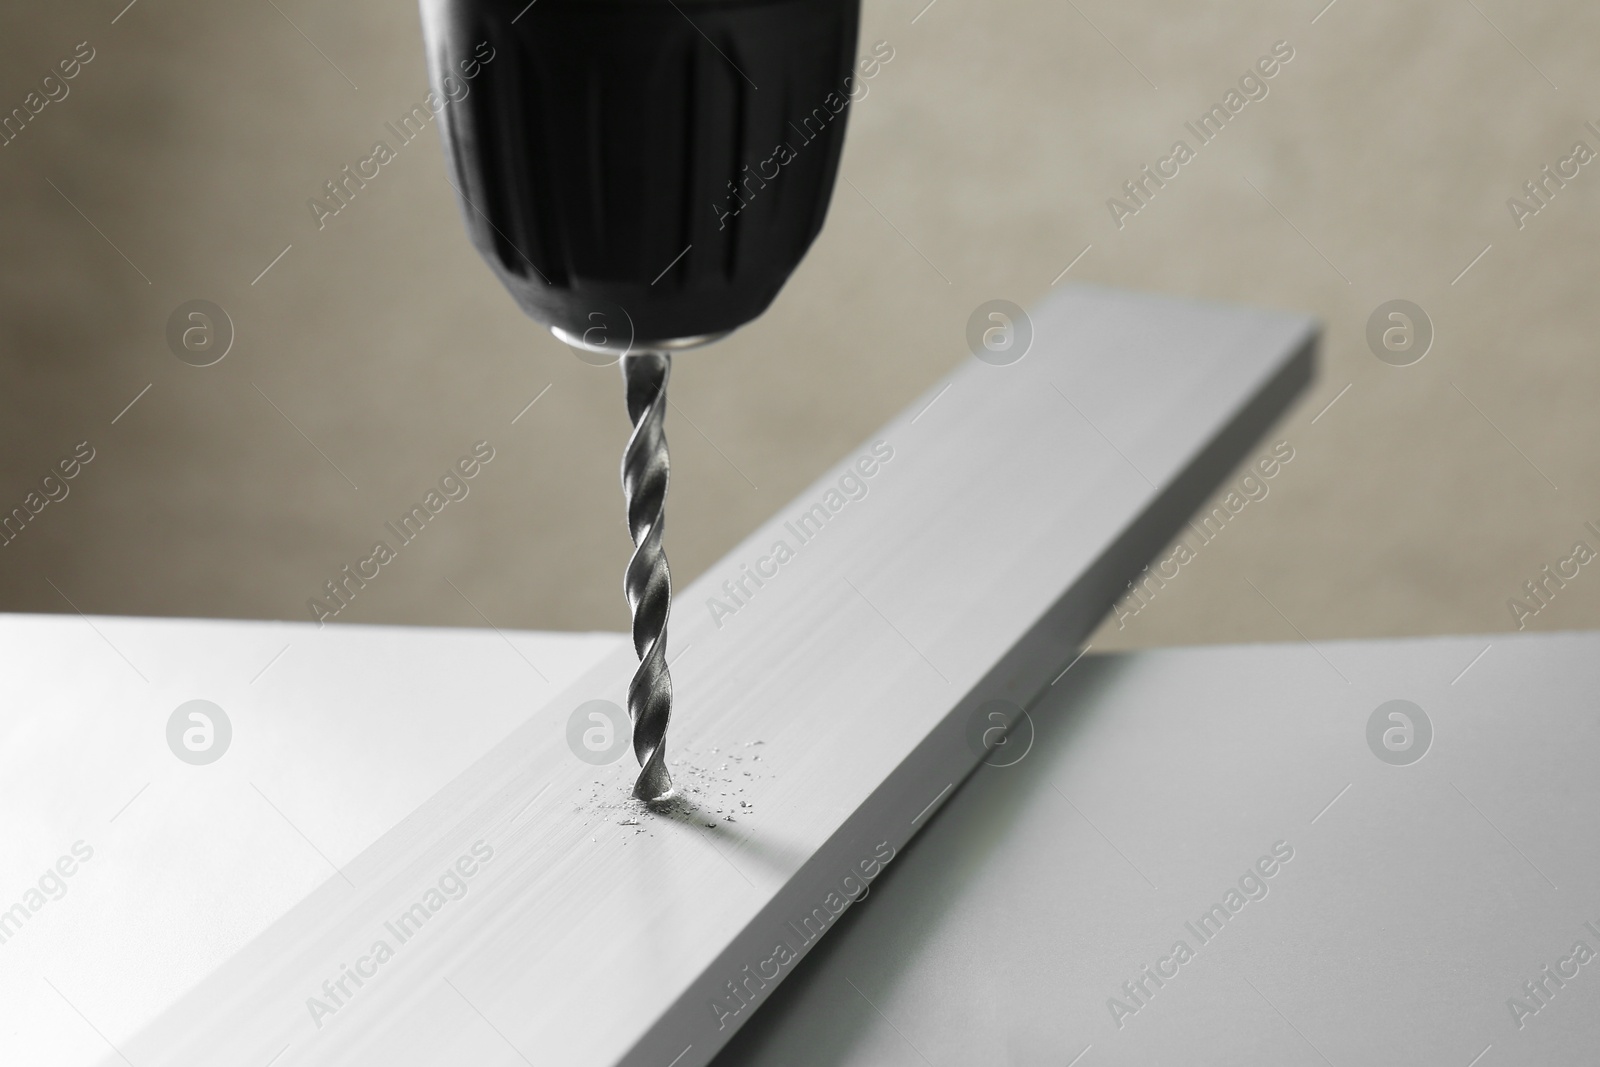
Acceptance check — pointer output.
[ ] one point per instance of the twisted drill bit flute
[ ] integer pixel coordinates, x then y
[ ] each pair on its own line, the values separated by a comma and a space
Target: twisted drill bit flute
645, 473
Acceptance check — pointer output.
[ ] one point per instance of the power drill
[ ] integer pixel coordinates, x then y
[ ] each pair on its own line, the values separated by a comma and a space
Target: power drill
643, 176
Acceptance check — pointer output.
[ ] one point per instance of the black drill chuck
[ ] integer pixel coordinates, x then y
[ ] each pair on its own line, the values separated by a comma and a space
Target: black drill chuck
638, 172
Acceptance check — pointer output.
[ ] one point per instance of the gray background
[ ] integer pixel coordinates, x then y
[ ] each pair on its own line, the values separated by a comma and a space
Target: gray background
977, 167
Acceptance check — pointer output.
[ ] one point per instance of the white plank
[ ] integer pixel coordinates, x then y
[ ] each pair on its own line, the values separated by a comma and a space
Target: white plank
996, 527
1418, 899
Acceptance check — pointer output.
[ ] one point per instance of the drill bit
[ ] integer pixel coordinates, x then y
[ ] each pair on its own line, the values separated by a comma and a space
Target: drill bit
647, 583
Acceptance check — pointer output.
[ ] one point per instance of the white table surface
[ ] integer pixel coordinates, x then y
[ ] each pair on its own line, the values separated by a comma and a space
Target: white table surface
1419, 899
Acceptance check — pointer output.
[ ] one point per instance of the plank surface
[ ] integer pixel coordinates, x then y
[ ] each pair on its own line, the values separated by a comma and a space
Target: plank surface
527, 913
1416, 900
